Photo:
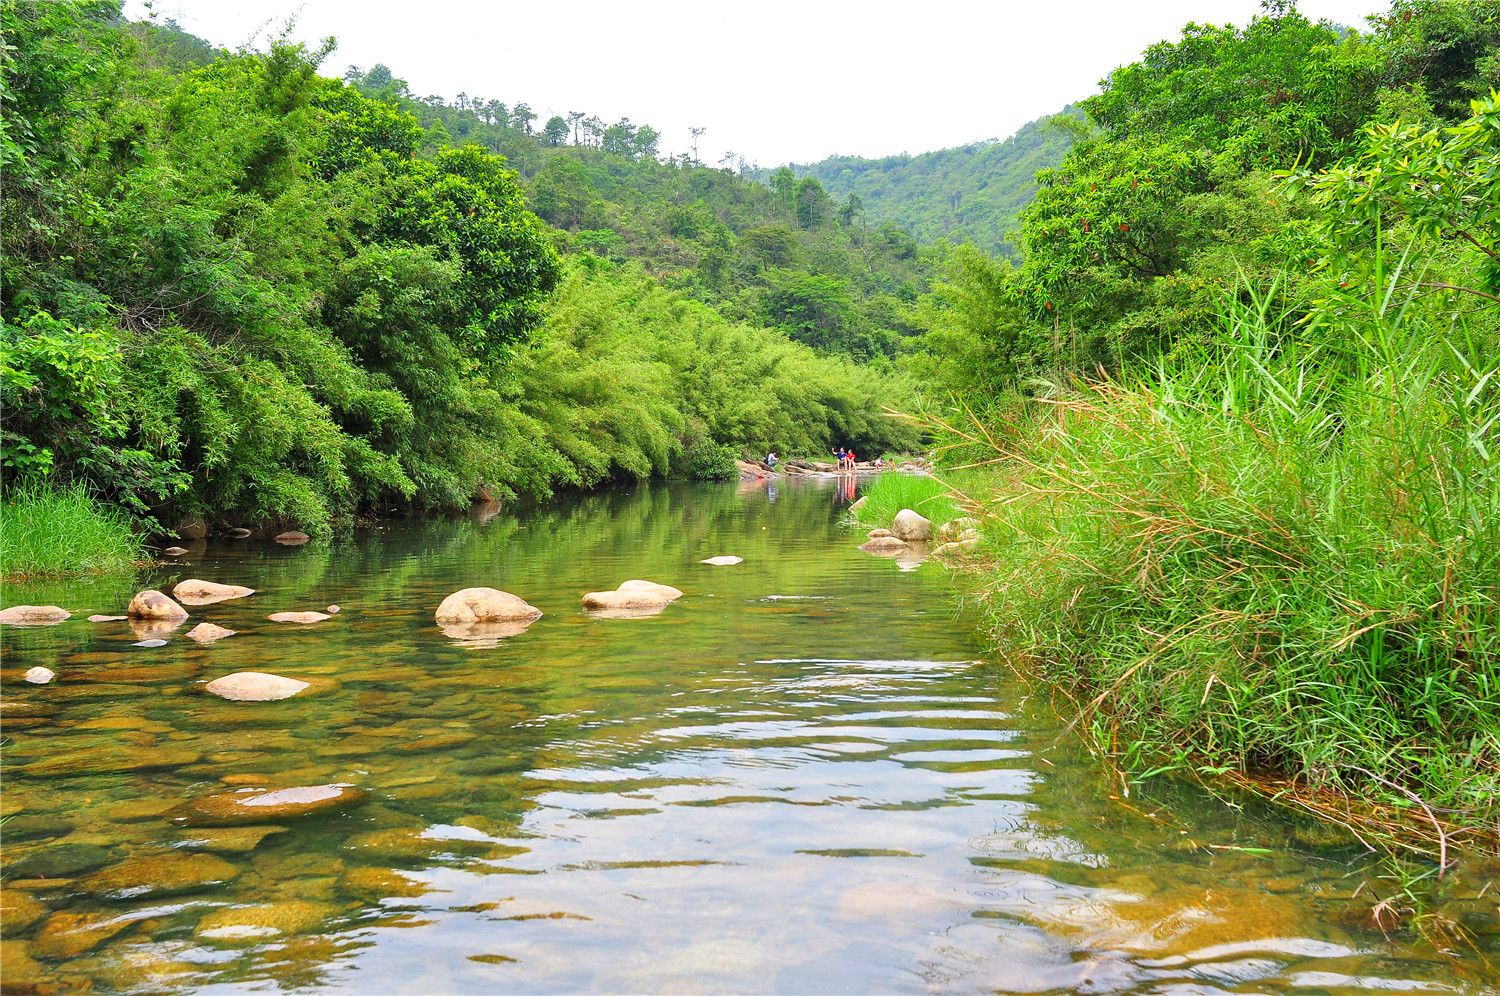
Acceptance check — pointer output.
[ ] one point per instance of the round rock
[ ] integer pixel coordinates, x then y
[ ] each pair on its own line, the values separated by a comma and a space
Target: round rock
174, 551
40, 675
912, 527
723, 561
292, 537
255, 686
471, 605
152, 604
884, 546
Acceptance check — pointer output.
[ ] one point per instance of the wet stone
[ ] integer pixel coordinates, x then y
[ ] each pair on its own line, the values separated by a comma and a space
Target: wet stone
254, 686
374, 884
156, 642
30, 826
244, 925
227, 840
165, 873
110, 759
207, 633
303, 618
18, 910
67, 935
33, 615
253, 805
57, 861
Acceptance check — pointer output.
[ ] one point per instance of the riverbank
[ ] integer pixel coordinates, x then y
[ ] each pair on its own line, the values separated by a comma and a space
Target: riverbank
57, 533
1275, 565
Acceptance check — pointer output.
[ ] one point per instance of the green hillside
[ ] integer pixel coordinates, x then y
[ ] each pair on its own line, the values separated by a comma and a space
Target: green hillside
970, 193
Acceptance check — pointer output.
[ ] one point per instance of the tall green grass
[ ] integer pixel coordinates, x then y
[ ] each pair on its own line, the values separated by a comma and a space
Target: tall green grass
888, 493
56, 532
1275, 553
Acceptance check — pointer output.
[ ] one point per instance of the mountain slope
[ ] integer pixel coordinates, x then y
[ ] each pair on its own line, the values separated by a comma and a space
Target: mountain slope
972, 192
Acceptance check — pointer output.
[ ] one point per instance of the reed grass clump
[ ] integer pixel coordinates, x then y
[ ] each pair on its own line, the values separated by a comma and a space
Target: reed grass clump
60, 532
1276, 554
888, 493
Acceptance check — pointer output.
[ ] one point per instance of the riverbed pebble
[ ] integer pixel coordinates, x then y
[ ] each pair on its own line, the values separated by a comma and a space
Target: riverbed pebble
40, 675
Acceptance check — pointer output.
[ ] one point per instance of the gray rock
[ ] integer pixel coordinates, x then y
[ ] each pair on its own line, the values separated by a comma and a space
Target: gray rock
911, 527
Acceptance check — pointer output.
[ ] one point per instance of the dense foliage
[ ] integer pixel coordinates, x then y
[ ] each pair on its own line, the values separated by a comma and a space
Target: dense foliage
974, 193
236, 288
1241, 402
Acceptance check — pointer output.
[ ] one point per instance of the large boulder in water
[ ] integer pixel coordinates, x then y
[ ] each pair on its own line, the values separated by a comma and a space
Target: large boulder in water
255, 686
196, 592
152, 604
910, 526
33, 615
480, 605
257, 805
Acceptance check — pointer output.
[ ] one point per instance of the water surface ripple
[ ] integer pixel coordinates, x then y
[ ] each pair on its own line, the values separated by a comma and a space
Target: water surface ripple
799, 778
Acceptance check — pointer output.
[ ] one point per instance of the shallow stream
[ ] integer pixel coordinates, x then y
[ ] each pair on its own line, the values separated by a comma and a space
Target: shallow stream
801, 777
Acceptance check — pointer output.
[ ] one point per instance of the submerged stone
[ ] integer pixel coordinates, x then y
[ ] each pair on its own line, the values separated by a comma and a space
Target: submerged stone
33, 615
885, 546
58, 861
18, 910
110, 760
255, 686
68, 935
228, 840
40, 675
723, 561
238, 925
255, 805
292, 537
371, 885
207, 633
164, 873
103, 619
154, 642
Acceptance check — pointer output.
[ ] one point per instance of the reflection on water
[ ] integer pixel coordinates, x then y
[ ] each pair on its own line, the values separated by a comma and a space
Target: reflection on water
796, 778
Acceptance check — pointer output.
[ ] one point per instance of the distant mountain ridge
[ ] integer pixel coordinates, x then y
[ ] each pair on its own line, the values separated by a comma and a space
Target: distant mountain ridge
972, 192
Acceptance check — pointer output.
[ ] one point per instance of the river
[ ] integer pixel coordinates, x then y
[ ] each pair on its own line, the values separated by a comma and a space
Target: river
803, 776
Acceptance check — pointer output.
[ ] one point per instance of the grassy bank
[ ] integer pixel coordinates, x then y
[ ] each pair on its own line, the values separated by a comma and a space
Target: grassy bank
886, 494
1275, 558
47, 532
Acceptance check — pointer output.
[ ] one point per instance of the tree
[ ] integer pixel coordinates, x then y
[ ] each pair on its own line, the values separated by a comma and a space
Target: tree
575, 118
521, 117
555, 132
697, 133
813, 204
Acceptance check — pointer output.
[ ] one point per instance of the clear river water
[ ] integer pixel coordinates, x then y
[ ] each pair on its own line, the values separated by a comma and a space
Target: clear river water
804, 776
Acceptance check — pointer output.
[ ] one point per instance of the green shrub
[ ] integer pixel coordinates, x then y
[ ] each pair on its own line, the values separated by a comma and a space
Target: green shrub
55, 532
705, 460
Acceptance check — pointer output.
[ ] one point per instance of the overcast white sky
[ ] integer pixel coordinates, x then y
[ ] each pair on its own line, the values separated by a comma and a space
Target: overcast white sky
773, 80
